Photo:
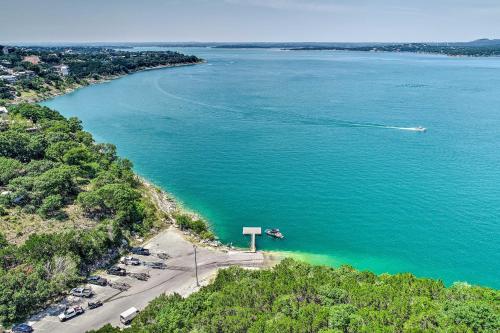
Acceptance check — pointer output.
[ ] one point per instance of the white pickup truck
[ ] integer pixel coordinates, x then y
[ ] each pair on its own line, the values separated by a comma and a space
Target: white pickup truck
71, 312
130, 261
82, 292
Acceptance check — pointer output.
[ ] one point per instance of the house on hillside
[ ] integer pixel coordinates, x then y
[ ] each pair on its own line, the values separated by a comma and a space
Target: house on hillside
62, 69
9, 78
26, 74
4, 70
3, 110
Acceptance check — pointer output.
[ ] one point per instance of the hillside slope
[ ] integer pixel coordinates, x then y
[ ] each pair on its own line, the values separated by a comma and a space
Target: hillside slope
298, 297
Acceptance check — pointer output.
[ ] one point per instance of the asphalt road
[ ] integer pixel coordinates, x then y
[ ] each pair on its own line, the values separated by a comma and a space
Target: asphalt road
178, 277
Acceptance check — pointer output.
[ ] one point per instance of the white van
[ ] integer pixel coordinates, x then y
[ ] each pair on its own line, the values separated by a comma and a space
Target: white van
127, 316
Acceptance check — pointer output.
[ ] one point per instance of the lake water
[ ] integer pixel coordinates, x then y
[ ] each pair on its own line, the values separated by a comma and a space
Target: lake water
314, 143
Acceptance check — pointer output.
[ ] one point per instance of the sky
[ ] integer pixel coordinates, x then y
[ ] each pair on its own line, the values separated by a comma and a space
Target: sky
248, 20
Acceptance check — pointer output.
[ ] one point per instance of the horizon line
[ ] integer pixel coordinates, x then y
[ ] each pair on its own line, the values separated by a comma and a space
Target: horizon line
14, 43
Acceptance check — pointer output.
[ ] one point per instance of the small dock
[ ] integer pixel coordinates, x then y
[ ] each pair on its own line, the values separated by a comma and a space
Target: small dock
252, 231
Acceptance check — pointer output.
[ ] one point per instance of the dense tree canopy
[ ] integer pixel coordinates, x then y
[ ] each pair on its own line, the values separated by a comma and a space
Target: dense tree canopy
48, 162
298, 297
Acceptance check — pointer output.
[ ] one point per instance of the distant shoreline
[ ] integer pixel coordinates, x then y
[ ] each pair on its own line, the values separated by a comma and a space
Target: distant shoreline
90, 82
481, 48
397, 52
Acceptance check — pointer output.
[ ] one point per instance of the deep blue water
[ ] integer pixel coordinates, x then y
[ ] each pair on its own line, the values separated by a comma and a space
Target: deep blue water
309, 142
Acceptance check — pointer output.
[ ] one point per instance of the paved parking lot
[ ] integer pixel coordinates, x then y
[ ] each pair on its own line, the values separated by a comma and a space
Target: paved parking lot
177, 277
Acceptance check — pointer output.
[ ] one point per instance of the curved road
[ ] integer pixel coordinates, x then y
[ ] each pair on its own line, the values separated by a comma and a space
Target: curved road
178, 277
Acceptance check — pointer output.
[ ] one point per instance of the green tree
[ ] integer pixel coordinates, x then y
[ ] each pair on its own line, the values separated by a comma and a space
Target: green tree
77, 156
35, 112
3, 241
477, 315
20, 146
9, 168
56, 151
111, 200
57, 181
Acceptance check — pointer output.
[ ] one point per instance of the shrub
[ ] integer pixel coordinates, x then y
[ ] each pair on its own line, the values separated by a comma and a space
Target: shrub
50, 205
198, 226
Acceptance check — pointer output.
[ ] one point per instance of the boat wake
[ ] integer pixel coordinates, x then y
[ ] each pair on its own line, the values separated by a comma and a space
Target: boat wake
413, 129
345, 123
191, 101
290, 117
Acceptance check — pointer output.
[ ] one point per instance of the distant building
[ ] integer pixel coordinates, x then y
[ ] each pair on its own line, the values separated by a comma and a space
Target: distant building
5, 50
3, 110
26, 74
9, 78
62, 69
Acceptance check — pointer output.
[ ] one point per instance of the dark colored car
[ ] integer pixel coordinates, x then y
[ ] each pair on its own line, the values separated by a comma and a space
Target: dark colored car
163, 256
115, 270
22, 328
140, 276
156, 265
97, 280
119, 285
140, 251
95, 304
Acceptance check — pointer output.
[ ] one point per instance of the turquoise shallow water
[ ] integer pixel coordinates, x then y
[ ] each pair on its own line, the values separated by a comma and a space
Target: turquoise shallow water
310, 142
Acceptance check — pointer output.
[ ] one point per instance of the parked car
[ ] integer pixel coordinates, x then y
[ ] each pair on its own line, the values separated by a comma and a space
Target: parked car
100, 281
140, 251
156, 265
22, 328
163, 255
94, 304
130, 261
120, 286
140, 276
71, 312
127, 316
82, 292
115, 270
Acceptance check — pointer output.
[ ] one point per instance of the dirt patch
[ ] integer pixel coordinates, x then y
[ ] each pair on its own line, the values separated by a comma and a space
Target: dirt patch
17, 226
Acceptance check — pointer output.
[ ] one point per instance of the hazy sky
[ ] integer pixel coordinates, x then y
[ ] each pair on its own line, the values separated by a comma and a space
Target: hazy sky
248, 20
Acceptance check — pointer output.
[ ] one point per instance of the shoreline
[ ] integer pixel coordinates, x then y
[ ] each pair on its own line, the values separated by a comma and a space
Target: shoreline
168, 203
89, 82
